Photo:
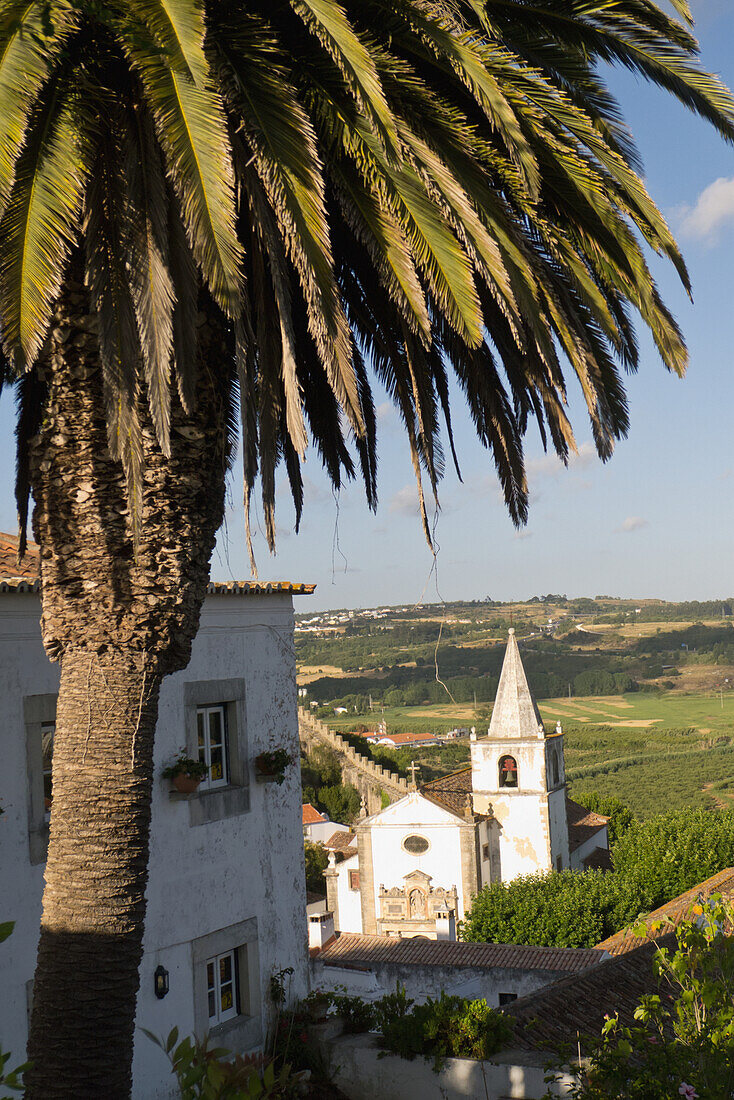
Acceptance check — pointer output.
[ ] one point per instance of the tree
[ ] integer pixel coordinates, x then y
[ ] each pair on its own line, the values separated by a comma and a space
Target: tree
654, 861
317, 860
682, 1043
210, 204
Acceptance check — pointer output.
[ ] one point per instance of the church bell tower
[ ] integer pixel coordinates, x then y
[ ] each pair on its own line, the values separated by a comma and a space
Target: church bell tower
519, 781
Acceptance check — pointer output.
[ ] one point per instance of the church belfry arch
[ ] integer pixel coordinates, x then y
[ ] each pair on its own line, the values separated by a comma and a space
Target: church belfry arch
508, 771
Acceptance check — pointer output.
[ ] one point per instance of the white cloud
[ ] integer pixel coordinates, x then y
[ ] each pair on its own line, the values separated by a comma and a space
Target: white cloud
551, 466
714, 208
405, 501
633, 523
523, 534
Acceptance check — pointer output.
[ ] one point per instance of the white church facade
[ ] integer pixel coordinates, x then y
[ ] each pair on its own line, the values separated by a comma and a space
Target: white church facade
413, 868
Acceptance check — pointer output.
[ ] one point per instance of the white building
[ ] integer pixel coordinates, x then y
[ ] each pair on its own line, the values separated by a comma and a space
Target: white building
506, 815
226, 868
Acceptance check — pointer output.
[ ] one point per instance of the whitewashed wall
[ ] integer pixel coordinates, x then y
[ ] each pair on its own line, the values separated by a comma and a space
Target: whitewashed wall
349, 901
522, 812
374, 980
202, 878
391, 863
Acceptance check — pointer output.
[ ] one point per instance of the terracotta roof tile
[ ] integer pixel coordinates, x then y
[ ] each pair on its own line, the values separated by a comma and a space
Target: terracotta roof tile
258, 588
338, 841
407, 738
10, 571
353, 949
582, 824
599, 860
450, 791
573, 1008
677, 910
311, 815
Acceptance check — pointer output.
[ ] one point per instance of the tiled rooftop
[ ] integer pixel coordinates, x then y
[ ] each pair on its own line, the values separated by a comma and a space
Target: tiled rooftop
24, 577
311, 815
339, 841
677, 910
349, 948
573, 1008
450, 791
9, 568
582, 823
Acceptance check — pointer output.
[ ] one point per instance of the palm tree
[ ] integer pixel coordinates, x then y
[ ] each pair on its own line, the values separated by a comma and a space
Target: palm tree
206, 207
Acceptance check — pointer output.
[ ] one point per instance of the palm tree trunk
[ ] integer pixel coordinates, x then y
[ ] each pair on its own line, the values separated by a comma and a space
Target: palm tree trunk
119, 618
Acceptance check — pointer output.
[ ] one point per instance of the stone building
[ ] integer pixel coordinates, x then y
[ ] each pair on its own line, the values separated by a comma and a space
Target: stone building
506, 815
226, 890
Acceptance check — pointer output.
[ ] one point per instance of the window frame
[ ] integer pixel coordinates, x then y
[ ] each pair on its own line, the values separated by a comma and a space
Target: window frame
222, 800
353, 879
207, 783
222, 1016
245, 1029
38, 711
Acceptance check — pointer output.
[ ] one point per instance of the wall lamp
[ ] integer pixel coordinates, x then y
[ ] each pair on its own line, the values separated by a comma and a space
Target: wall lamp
160, 982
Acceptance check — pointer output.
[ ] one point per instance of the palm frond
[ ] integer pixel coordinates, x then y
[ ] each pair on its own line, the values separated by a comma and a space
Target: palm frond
32, 38
191, 128
40, 222
148, 265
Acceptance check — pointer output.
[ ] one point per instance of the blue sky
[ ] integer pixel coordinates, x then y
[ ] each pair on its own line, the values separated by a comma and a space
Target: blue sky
657, 520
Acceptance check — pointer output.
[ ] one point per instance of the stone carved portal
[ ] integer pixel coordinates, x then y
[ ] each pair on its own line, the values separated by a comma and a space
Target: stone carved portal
410, 910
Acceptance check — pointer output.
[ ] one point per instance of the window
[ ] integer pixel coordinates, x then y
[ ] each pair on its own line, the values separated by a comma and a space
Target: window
508, 771
485, 851
216, 732
555, 773
48, 729
39, 714
507, 998
227, 993
416, 845
354, 880
221, 988
211, 725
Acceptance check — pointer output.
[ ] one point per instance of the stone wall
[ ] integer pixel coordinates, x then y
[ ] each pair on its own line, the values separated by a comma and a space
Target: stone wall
370, 779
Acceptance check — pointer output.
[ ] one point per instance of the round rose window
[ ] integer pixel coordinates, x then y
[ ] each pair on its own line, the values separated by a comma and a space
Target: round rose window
416, 845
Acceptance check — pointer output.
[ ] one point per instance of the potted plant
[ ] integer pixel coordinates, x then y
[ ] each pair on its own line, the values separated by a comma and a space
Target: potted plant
186, 774
271, 766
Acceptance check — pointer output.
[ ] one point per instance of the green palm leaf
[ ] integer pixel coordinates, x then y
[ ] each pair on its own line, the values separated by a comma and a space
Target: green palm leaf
192, 131
32, 37
40, 223
329, 23
148, 265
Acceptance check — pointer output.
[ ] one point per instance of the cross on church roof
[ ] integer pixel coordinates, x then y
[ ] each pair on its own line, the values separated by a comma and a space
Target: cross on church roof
515, 715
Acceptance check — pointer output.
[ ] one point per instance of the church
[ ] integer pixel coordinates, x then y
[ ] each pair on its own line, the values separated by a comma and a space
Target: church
413, 868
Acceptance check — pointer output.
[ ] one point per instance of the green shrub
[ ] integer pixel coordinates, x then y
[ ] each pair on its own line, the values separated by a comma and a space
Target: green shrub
357, 1014
450, 1027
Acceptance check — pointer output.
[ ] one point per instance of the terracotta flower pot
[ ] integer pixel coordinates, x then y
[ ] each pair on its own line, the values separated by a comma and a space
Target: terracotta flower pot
185, 784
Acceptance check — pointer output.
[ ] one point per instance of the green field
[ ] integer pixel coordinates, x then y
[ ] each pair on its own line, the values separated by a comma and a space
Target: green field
655, 752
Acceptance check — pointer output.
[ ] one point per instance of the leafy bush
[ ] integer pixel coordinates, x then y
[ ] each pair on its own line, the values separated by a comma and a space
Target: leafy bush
213, 1073
654, 860
450, 1027
357, 1014
317, 860
10, 1078
683, 1043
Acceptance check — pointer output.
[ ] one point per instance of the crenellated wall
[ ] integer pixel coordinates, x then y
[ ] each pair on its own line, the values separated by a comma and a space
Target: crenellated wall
370, 779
